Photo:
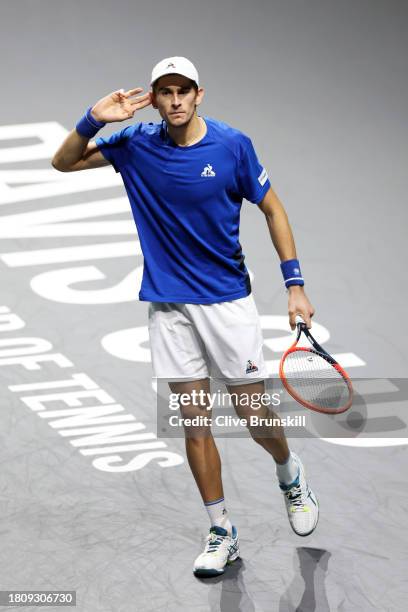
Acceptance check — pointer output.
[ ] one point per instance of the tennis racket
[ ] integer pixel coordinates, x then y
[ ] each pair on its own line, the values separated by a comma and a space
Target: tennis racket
313, 377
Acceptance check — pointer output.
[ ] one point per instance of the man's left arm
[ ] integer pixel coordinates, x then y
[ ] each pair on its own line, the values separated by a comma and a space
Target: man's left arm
282, 238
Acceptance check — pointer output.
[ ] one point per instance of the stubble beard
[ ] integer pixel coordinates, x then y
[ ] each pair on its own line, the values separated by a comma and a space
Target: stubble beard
181, 125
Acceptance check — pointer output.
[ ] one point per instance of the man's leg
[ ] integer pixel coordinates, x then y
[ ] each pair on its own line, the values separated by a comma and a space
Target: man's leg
301, 503
222, 544
272, 439
177, 352
202, 453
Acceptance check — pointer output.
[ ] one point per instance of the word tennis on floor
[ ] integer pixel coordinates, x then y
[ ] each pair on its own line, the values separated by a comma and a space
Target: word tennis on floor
103, 430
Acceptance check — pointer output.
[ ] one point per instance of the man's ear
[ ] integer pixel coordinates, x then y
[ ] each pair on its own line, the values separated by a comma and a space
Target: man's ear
199, 96
153, 99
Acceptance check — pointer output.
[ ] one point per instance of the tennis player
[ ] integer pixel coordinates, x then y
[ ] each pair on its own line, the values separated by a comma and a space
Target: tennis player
186, 177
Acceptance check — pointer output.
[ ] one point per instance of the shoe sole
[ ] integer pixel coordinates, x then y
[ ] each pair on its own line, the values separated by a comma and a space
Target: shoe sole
213, 572
209, 573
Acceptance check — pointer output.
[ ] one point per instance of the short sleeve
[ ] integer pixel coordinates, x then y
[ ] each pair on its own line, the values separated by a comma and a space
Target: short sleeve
253, 179
114, 147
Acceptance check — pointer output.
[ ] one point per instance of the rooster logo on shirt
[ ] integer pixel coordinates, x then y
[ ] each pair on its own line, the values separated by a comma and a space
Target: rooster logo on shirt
208, 171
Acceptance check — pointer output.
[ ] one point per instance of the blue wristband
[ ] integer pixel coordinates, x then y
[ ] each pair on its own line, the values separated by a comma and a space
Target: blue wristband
88, 126
291, 272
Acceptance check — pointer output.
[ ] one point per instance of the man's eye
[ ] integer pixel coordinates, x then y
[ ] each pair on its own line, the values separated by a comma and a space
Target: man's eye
182, 91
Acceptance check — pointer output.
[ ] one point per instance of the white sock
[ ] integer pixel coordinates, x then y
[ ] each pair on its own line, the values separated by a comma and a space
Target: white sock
287, 472
218, 514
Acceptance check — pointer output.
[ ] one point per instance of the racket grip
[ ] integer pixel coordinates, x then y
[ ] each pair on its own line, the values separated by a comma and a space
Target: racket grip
299, 319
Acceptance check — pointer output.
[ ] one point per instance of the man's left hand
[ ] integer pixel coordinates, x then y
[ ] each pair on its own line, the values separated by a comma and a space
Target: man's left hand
298, 304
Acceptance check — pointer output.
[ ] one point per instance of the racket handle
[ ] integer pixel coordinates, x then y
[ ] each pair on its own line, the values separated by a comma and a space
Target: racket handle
299, 319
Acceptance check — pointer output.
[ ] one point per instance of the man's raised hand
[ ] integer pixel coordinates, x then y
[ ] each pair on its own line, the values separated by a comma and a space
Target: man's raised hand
120, 105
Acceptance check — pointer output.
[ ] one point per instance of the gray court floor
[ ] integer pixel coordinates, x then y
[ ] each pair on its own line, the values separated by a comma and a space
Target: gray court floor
110, 510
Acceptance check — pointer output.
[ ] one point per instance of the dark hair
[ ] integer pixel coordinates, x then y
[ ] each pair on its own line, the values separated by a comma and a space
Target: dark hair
192, 83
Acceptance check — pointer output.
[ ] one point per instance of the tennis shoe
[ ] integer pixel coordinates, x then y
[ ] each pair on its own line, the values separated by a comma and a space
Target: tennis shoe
220, 549
301, 503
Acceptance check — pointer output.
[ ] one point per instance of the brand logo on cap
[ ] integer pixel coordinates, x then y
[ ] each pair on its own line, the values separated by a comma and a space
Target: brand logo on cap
170, 66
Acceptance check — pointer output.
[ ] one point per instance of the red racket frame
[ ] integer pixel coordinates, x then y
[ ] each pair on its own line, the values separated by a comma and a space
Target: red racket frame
328, 358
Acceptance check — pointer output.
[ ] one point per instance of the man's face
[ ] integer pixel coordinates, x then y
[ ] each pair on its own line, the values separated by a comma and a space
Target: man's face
175, 98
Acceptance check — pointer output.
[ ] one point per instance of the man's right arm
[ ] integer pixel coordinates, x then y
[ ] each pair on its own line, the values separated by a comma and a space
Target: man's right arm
76, 152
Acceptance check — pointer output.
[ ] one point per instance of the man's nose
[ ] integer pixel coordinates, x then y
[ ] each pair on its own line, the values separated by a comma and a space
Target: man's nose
175, 102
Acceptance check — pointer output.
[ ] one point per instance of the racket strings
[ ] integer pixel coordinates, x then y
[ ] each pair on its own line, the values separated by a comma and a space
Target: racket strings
315, 380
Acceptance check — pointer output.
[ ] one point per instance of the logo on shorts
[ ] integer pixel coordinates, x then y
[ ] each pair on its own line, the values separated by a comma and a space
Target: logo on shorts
251, 367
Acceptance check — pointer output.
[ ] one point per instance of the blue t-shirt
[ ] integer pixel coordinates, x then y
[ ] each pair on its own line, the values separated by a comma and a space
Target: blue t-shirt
186, 204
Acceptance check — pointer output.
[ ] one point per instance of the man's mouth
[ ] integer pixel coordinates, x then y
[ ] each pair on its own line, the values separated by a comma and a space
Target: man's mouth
178, 113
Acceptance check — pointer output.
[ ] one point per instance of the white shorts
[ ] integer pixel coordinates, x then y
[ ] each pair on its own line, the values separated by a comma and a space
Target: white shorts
194, 341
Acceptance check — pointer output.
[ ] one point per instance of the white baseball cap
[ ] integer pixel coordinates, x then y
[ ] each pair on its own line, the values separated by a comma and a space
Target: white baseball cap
175, 65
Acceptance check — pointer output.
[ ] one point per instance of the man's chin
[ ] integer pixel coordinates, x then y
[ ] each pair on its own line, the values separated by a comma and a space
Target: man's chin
178, 120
